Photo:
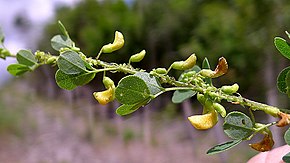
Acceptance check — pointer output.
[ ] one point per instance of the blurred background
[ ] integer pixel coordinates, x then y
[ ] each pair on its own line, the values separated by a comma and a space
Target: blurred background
39, 122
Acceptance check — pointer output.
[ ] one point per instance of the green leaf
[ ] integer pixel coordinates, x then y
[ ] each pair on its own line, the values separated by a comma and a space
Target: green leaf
70, 82
70, 62
287, 136
181, 95
2, 38
206, 65
131, 90
287, 80
283, 46
223, 147
25, 57
151, 81
128, 109
286, 158
63, 30
237, 125
61, 41
17, 69
281, 80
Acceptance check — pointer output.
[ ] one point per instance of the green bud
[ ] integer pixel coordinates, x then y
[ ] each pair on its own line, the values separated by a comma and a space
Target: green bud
230, 89
161, 70
109, 83
137, 57
116, 45
185, 65
200, 97
220, 109
207, 73
51, 60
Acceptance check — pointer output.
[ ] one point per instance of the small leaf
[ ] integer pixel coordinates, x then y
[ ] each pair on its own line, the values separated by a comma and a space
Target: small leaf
283, 46
206, 65
132, 89
287, 136
2, 38
281, 80
70, 62
25, 57
287, 80
63, 30
180, 95
223, 147
17, 69
61, 41
286, 158
70, 82
151, 81
237, 125
128, 109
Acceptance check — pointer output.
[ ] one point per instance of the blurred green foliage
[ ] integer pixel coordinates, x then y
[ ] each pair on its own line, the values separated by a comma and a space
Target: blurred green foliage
240, 30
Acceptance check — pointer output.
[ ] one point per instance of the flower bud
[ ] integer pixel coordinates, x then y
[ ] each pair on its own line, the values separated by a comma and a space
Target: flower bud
137, 57
220, 70
205, 121
116, 45
161, 70
185, 65
220, 109
105, 97
200, 97
109, 83
230, 89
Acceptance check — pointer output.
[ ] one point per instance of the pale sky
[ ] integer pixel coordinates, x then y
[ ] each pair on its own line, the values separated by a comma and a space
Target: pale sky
36, 13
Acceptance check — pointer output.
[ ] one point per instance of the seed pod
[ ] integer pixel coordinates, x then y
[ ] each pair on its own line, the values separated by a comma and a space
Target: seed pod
109, 83
105, 97
161, 70
200, 97
220, 109
116, 45
185, 65
230, 89
205, 121
137, 57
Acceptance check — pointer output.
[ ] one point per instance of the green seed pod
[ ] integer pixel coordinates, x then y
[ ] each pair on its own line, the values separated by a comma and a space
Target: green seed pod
201, 98
220, 109
161, 70
116, 45
51, 60
109, 83
230, 89
207, 73
185, 65
137, 57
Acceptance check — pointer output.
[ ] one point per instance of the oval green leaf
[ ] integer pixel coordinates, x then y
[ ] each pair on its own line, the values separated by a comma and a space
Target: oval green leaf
70, 82
128, 109
61, 41
180, 95
281, 80
223, 147
131, 90
287, 136
70, 62
283, 46
25, 57
237, 125
286, 158
151, 81
17, 69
